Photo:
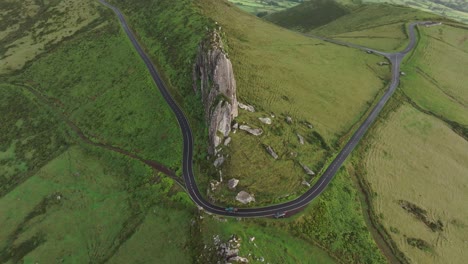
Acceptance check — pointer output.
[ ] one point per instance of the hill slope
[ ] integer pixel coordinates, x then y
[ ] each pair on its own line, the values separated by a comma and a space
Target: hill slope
309, 15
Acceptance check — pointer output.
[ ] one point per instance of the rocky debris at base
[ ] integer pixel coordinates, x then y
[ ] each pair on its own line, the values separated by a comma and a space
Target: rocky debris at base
253, 131
265, 120
235, 126
214, 185
301, 139
232, 183
271, 152
218, 162
227, 141
252, 239
244, 197
305, 183
247, 107
289, 120
229, 251
309, 125
238, 259
307, 170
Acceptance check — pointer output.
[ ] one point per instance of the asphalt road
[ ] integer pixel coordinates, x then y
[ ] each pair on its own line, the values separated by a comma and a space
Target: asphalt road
327, 176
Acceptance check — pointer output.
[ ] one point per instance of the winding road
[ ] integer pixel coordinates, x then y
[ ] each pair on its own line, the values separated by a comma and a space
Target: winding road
327, 176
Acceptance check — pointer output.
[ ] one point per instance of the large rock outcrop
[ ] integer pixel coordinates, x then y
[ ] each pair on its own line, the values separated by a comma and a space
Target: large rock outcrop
214, 77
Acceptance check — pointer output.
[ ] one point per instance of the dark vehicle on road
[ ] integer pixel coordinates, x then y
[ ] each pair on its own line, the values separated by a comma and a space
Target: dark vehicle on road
231, 209
280, 215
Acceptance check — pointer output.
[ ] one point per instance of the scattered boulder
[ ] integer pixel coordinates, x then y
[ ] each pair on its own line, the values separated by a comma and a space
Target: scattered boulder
253, 131
227, 141
247, 107
271, 152
301, 139
289, 120
235, 126
252, 239
306, 183
309, 125
218, 162
214, 185
307, 170
383, 63
232, 183
402, 73
238, 259
244, 197
265, 120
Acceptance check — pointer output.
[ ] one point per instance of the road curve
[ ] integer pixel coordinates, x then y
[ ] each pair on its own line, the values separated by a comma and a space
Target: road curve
327, 176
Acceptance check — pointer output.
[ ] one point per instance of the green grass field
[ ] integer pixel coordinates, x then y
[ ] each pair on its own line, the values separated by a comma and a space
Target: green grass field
30, 28
436, 82
416, 158
62, 200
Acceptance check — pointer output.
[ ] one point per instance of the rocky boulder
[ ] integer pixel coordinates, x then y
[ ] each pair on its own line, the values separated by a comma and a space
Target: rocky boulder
307, 170
271, 152
246, 107
214, 77
232, 183
289, 120
301, 139
244, 197
265, 120
253, 131
219, 161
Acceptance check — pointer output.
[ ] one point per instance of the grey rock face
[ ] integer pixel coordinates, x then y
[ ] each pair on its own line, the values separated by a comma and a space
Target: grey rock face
247, 107
253, 131
301, 139
272, 152
213, 70
265, 120
244, 197
232, 183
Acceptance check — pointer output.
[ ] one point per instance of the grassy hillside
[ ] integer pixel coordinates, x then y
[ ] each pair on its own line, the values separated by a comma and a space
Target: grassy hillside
30, 28
417, 166
307, 93
378, 26
62, 199
264, 7
453, 9
414, 154
312, 82
309, 15
436, 82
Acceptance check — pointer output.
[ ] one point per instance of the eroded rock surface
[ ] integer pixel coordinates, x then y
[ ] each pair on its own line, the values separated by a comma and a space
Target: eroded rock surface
214, 77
